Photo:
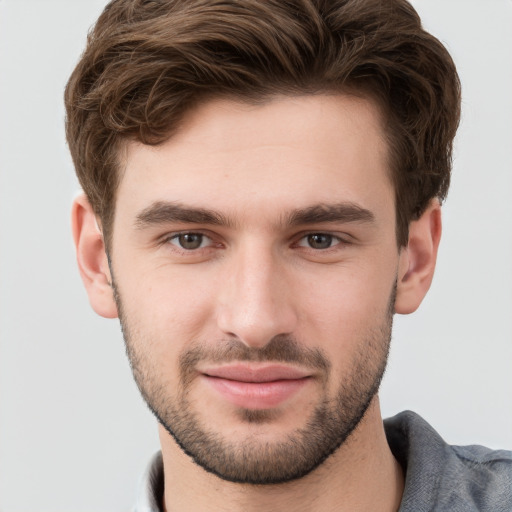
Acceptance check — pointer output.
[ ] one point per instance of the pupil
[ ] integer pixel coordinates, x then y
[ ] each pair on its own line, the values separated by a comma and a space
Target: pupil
319, 241
190, 241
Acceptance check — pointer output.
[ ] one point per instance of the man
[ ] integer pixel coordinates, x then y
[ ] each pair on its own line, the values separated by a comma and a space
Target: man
262, 186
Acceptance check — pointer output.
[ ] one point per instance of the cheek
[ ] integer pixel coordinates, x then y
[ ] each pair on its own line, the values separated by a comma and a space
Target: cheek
170, 306
349, 310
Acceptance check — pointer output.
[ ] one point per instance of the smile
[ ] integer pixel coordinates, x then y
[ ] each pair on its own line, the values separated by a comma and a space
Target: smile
256, 387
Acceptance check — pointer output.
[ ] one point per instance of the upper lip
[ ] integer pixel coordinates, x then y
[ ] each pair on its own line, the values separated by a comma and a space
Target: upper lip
251, 373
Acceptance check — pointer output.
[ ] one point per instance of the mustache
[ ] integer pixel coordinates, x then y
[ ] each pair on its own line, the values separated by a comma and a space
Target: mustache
281, 348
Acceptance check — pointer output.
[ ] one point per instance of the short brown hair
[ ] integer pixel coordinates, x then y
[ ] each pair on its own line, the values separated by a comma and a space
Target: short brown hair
147, 62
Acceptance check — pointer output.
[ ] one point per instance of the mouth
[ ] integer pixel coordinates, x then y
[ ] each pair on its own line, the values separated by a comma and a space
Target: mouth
256, 387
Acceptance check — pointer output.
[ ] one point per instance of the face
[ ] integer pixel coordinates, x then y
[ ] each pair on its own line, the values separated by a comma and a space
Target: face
254, 260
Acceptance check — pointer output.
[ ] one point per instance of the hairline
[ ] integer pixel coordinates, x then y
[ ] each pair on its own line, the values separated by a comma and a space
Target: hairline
252, 99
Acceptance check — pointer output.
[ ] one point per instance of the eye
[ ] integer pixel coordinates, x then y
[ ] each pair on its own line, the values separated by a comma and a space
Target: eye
190, 241
319, 241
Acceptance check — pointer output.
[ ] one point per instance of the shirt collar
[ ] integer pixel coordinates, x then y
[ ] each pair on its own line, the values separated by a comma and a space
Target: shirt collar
151, 486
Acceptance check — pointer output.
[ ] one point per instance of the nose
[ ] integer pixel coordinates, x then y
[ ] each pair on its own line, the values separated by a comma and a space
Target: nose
255, 303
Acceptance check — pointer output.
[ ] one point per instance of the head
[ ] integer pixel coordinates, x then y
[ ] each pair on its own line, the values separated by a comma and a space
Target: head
147, 63
266, 177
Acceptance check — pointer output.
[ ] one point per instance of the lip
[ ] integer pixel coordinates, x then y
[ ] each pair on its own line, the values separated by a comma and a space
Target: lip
256, 373
256, 387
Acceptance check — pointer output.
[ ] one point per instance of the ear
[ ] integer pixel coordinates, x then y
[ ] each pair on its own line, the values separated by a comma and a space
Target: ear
92, 258
418, 259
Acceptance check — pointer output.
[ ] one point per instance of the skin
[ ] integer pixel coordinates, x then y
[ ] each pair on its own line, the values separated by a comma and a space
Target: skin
256, 277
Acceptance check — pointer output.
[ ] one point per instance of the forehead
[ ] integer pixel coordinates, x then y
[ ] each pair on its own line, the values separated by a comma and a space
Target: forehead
286, 153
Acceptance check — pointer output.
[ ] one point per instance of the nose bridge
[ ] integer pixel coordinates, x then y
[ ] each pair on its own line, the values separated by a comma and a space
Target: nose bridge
255, 303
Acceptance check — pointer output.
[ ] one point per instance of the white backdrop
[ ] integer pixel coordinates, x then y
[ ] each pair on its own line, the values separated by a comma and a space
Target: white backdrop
74, 434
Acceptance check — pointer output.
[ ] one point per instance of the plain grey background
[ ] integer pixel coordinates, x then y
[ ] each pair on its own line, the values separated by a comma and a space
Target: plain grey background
74, 434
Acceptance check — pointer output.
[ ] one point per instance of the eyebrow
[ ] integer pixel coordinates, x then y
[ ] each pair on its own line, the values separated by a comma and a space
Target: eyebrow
345, 212
162, 212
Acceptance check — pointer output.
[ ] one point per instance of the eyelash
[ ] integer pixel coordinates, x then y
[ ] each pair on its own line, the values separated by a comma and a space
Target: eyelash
334, 241
175, 236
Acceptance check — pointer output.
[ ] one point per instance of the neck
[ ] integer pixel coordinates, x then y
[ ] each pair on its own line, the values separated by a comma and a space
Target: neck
361, 475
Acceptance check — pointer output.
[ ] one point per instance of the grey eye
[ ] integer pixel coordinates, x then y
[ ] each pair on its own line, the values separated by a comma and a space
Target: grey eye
190, 241
319, 241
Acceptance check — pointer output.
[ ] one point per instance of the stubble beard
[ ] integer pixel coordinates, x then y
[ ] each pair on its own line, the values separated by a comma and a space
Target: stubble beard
253, 461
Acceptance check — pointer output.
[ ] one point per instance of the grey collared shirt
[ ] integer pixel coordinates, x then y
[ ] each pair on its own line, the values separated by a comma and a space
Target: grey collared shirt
438, 477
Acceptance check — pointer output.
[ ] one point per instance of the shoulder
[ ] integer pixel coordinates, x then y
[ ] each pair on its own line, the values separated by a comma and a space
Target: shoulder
484, 476
443, 477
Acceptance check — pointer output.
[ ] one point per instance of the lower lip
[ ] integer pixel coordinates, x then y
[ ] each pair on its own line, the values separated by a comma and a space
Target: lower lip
256, 395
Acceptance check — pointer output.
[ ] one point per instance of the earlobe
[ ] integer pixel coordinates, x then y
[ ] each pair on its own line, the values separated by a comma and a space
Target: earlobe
418, 259
92, 258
